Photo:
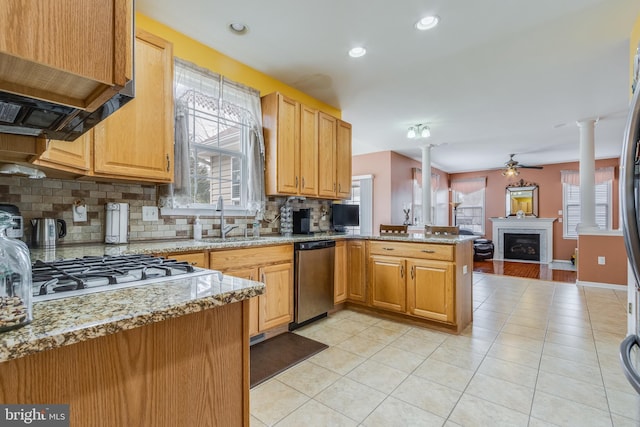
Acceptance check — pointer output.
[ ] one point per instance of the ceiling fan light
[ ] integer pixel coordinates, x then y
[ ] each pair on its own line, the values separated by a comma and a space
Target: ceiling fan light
411, 133
425, 132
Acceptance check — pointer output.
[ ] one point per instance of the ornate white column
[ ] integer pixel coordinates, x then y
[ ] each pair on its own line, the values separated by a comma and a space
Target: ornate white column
587, 175
426, 184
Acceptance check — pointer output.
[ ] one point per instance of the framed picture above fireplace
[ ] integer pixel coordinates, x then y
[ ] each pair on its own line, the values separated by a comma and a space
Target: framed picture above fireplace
522, 199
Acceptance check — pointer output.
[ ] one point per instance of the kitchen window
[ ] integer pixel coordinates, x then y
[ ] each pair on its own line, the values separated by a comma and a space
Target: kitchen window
469, 196
219, 149
571, 200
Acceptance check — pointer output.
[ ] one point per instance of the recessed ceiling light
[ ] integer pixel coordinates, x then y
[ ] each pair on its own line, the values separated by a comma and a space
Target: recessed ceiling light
357, 52
427, 23
238, 28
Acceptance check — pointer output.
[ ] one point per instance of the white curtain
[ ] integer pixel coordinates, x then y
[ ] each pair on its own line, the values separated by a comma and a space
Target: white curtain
573, 176
211, 91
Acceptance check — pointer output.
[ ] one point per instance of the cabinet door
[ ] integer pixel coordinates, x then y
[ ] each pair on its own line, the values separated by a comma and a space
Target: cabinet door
340, 273
430, 290
356, 271
137, 140
250, 274
326, 155
68, 155
388, 288
276, 305
308, 151
343, 160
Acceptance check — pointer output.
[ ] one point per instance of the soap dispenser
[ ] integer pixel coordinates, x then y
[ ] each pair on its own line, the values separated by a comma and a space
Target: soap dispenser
197, 229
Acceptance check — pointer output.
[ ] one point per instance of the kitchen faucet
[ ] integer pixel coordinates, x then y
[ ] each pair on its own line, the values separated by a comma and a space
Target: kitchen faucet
224, 229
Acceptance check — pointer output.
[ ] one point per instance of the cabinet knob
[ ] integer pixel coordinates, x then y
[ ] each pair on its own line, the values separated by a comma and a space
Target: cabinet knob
402, 271
168, 163
303, 182
388, 249
296, 182
334, 186
428, 251
412, 267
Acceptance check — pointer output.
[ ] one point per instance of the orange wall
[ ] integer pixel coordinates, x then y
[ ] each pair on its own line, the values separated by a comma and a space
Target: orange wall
392, 183
590, 247
549, 198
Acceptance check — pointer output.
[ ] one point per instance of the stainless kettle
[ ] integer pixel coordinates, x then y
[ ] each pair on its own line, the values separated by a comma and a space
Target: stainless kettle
46, 231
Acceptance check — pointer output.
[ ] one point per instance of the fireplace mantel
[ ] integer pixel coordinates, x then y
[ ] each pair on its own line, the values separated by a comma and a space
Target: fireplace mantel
526, 225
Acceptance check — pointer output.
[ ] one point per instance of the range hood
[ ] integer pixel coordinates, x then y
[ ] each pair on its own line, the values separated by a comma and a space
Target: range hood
22, 115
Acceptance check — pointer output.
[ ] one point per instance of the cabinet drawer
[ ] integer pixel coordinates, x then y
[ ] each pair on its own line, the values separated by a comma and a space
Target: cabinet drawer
413, 250
226, 259
198, 259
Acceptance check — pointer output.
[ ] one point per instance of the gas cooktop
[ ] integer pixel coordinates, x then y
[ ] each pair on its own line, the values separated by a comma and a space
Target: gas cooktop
70, 277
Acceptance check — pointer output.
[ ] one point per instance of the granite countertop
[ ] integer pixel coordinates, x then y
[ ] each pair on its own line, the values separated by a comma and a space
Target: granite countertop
65, 321
190, 245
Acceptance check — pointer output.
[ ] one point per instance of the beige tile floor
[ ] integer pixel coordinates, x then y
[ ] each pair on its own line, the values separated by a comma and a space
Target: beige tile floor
538, 354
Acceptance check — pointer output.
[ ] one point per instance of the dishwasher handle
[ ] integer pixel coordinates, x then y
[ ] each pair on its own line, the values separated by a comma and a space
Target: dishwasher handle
314, 244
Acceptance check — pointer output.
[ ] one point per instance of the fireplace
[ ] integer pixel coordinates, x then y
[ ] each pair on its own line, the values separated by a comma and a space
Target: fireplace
543, 227
524, 247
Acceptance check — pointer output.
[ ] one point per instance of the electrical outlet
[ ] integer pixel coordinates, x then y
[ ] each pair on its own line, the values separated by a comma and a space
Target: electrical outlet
560, 212
464, 269
79, 209
601, 260
149, 213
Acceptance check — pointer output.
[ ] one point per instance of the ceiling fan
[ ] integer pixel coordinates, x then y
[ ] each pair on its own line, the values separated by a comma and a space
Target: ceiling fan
512, 166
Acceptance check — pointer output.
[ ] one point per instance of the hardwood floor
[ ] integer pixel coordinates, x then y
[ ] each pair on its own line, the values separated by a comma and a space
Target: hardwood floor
524, 269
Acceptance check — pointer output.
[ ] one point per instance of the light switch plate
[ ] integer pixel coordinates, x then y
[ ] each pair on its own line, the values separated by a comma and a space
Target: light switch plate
601, 260
149, 213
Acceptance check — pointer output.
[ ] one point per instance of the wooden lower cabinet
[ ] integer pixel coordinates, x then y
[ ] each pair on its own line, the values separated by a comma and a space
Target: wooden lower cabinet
430, 291
197, 259
340, 273
271, 265
388, 286
191, 370
356, 271
425, 281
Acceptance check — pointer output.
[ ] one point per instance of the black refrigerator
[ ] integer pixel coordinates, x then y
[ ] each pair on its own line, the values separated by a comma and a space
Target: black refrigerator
630, 207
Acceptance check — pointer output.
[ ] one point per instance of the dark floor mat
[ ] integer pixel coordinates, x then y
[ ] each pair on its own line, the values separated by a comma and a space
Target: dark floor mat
270, 357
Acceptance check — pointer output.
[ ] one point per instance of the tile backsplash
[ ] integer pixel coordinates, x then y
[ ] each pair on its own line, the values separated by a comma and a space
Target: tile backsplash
54, 198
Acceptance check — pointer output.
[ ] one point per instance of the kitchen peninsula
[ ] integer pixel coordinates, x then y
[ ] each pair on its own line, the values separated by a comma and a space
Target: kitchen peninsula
169, 354
184, 344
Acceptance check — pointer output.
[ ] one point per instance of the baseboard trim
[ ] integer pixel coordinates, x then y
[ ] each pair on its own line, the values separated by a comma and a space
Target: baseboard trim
600, 285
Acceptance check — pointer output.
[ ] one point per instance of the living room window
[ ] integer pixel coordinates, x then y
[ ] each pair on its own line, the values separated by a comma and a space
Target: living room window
571, 200
218, 143
468, 197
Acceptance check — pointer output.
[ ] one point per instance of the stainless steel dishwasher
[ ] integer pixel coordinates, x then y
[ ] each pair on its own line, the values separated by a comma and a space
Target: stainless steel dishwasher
313, 285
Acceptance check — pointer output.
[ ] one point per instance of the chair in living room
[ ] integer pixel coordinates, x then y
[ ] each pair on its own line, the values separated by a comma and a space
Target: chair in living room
393, 230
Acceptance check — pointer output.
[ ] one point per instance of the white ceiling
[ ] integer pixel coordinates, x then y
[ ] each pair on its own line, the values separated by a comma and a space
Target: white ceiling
495, 77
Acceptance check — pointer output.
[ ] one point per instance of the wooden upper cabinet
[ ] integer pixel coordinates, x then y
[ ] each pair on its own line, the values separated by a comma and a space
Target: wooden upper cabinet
326, 155
72, 52
308, 151
69, 156
343, 160
281, 123
137, 140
